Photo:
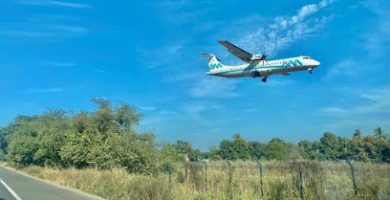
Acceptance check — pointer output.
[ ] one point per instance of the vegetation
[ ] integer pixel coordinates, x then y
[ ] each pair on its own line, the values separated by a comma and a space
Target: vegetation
321, 180
105, 145
103, 139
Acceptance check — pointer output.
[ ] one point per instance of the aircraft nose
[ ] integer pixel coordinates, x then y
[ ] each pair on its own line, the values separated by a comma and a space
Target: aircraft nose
316, 63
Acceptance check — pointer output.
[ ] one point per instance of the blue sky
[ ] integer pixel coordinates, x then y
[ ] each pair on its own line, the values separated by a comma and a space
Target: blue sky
60, 54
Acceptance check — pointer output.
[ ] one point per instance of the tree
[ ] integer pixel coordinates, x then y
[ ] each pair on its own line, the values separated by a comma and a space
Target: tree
233, 150
183, 147
213, 153
77, 149
171, 154
127, 116
21, 150
355, 147
306, 149
329, 145
256, 150
103, 119
53, 128
276, 149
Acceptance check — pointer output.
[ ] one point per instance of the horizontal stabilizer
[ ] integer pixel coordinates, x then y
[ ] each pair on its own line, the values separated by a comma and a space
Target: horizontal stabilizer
209, 56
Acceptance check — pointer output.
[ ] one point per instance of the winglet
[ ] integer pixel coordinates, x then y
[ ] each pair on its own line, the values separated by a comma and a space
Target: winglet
221, 41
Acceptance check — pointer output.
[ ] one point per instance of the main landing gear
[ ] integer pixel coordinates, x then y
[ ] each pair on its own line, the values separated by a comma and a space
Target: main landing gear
264, 79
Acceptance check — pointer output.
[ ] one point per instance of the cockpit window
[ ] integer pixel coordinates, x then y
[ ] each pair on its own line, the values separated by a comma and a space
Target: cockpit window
306, 57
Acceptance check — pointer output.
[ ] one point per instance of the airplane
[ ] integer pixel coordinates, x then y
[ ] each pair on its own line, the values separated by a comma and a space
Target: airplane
257, 65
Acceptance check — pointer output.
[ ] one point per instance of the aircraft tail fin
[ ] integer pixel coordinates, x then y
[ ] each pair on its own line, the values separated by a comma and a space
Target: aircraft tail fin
214, 62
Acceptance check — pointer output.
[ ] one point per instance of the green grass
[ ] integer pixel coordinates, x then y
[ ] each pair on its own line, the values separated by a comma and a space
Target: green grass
321, 180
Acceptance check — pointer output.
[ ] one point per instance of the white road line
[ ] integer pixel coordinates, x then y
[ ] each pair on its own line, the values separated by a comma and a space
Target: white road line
16, 196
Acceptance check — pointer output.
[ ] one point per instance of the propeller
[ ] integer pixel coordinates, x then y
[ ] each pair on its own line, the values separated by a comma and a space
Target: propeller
264, 56
258, 58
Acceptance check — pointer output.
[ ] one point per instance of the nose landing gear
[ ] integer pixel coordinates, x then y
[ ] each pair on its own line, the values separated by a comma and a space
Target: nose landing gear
310, 70
264, 79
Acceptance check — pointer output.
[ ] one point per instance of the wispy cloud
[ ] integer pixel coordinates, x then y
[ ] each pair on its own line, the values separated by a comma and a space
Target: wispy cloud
284, 30
147, 108
194, 111
251, 110
187, 76
180, 3
26, 33
161, 56
49, 26
376, 39
379, 102
69, 28
371, 111
345, 68
333, 110
214, 87
44, 31
45, 90
59, 64
55, 3
184, 11
195, 107
374, 102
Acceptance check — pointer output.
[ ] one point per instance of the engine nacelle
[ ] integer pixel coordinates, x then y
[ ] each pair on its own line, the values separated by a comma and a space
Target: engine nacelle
258, 57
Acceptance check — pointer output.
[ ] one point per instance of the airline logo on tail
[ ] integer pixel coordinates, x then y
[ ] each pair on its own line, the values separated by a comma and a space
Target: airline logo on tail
215, 65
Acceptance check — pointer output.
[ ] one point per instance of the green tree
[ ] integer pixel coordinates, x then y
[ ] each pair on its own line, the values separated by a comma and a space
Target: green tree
276, 149
53, 128
127, 117
256, 150
77, 150
21, 150
213, 154
329, 146
236, 149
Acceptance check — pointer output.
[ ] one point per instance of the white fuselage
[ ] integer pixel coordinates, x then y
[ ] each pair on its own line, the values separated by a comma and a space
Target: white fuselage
266, 68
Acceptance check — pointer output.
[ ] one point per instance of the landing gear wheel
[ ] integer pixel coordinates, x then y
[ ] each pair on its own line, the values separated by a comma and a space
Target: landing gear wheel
264, 79
310, 70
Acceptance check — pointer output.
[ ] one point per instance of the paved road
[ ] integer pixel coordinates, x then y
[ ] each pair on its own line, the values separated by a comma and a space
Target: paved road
4, 194
27, 188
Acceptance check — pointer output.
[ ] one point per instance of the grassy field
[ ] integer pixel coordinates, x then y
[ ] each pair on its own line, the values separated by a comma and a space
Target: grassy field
281, 180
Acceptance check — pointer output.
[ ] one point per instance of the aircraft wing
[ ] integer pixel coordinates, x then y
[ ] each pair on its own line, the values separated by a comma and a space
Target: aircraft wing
237, 51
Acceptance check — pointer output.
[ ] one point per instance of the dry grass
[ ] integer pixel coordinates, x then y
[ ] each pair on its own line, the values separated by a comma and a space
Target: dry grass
321, 180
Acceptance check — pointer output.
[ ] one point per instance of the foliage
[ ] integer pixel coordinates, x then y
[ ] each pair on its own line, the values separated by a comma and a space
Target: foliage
233, 150
103, 139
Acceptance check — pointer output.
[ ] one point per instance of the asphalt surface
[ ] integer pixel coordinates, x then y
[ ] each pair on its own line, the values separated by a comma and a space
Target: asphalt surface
28, 188
4, 194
